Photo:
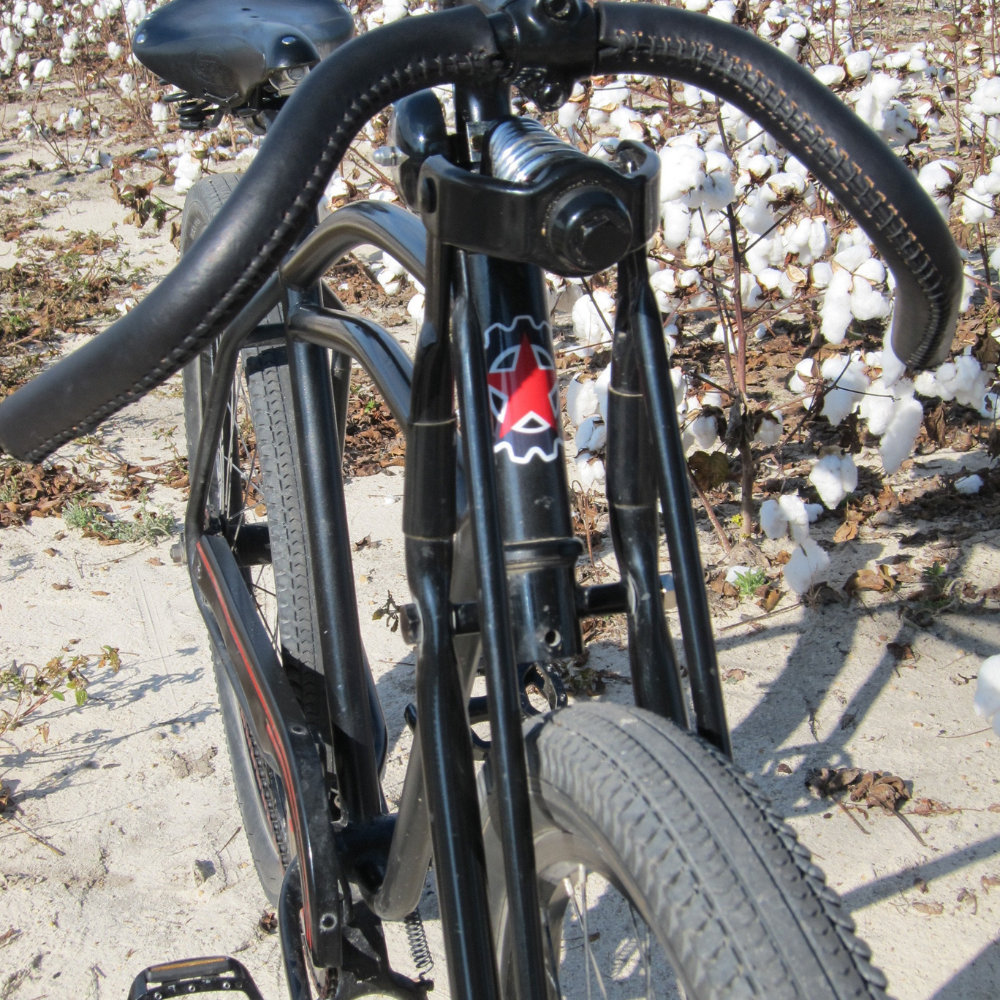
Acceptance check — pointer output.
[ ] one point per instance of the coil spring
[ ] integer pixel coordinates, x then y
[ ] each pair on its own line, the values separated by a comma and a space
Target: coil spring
520, 148
420, 950
194, 113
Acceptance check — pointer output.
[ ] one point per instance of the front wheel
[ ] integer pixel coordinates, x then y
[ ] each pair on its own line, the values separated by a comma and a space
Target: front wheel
663, 873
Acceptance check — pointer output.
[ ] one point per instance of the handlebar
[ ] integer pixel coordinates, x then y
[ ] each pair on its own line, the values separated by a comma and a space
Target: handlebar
542, 46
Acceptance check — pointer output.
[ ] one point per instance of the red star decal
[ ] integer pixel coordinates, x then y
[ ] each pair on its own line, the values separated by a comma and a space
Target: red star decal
527, 387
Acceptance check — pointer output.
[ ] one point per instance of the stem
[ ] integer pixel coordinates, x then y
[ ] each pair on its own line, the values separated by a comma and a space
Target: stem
710, 510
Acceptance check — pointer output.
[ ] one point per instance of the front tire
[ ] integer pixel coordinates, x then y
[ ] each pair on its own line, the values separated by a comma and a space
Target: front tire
663, 872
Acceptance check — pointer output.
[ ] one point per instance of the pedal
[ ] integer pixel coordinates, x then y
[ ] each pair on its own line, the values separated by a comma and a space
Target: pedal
193, 975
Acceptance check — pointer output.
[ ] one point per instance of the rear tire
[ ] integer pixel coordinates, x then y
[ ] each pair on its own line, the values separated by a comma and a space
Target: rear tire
256, 472
720, 900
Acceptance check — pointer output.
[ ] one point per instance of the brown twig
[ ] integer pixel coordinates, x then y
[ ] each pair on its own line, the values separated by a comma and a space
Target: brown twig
711, 514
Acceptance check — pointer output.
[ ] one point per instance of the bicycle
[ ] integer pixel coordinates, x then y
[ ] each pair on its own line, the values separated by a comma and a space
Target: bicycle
589, 798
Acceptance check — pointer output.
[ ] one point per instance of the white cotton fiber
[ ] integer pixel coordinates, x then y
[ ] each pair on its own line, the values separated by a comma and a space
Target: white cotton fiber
836, 312
773, 522
876, 407
901, 434
601, 388
826, 477
591, 435
808, 566
848, 392
581, 401
858, 64
892, 367
814, 510
705, 430
866, 303
794, 509
676, 223
830, 75
769, 432
987, 701
969, 484
593, 317
756, 215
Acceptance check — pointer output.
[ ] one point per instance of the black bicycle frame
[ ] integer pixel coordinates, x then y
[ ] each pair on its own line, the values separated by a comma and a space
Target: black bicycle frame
491, 562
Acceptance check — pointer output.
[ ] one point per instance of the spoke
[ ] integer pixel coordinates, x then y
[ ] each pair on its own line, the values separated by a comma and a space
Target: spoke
589, 959
553, 969
642, 940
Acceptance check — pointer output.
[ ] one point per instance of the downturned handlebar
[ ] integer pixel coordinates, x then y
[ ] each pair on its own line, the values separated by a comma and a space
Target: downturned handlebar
536, 44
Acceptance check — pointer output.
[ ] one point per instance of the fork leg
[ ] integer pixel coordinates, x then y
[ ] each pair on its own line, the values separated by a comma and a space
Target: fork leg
646, 327
442, 722
635, 528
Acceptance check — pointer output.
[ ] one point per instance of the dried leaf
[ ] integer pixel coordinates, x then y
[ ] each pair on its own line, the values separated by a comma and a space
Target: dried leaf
783, 768
900, 650
155, 561
931, 807
709, 470
734, 676
989, 882
363, 544
770, 599
930, 909
100, 593
62, 586
866, 579
847, 532
934, 423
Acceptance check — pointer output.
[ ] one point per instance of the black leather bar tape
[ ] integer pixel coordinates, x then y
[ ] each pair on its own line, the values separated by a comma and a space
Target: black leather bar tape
848, 158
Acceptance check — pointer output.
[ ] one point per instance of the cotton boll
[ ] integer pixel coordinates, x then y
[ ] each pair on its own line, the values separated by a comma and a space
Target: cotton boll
773, 522
591, 435
892, 367
987, 700
114, 50
808, 566
750, 293
415, 307
794, 510
723, 10
848, 474
581, 401
601, 388
901, 434
696, 253
680, 385
977, 206
186, 173
926, 384
689, 278
664, 284
43, 69
821, 274
826, 477
756, 215
592, 317
830, 75
969, 484
569, 114
769, 278
858, 64
676, 224
813, 511
735, 572
766, 253
769, 432
871, 270
836, 311
852, 257
866, 303
705, 429
682, 171
876, 407
805, 369
849, 383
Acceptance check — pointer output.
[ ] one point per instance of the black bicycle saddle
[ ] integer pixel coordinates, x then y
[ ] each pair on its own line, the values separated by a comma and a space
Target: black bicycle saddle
221, 50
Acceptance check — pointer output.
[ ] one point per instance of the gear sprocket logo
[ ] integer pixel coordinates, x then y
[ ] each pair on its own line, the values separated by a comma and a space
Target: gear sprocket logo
524, 394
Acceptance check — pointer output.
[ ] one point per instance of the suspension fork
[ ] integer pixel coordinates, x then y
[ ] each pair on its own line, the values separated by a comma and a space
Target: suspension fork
643, 326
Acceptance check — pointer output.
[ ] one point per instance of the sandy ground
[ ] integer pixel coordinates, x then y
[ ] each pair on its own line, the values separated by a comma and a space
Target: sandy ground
126, 846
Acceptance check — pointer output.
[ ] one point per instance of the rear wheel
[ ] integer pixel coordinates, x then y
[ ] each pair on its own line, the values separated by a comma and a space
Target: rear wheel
663, 873
255, 489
